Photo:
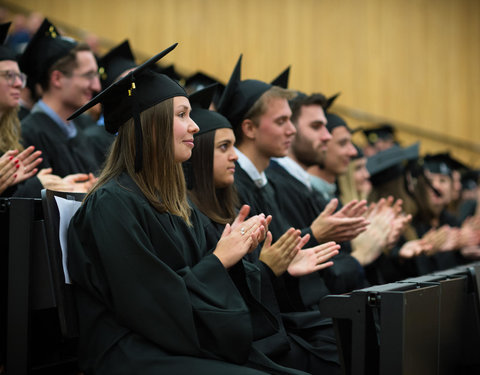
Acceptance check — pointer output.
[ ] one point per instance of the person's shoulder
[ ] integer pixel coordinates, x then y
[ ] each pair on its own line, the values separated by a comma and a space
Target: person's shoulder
31, 121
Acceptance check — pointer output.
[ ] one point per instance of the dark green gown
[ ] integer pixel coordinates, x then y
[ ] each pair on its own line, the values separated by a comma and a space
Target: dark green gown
65, 156
150, 300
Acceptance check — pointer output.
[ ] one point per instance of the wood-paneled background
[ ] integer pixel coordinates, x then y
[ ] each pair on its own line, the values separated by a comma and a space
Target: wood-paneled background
413, 62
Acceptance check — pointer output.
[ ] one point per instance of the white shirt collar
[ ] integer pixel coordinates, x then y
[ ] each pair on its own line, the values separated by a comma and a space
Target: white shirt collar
260, 179
295, 169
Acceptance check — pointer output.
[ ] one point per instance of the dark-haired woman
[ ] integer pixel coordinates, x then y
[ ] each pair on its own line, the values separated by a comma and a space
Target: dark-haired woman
258, 278
151, 300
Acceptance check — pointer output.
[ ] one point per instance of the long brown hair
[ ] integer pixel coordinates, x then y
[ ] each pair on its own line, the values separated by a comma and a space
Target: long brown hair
217, 204
161, 179
10, 131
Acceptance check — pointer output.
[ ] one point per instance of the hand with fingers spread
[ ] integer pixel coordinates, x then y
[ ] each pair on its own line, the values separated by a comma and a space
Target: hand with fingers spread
382, 233
341, 226
313, 259
236, 242
442, 239
80, 182
470, 232
414, 248
8, 169
279, 255
29, 159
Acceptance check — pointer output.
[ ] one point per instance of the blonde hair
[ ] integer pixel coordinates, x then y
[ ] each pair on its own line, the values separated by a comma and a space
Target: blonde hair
10, 131
161, 179
347, 186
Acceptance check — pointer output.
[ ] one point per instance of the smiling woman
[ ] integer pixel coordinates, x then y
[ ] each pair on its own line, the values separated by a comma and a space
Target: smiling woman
152, 297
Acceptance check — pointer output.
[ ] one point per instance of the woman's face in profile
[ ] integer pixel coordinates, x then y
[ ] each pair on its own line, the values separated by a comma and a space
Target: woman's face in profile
224, 157
361, 176
183, 129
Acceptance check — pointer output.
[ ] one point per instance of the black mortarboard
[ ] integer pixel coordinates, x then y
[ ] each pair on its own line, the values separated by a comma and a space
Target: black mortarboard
205, 119
360, 153
170, 72
470, 179
199, 81
382, 131
4, 31
389, 164
334, 121
139, 90
438, 163
282, 79
330, 101
45, 48
118, 60
239, 96
5, 52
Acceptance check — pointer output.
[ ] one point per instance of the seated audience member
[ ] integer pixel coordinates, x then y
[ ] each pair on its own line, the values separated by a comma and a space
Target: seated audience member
151, 299
212, 168
68, 77
18, 167
432, 190
114, 65
302, 205
379, 138
387, 221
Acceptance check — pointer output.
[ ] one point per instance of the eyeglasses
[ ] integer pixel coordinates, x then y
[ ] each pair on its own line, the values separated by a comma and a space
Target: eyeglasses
89, 76
11, 77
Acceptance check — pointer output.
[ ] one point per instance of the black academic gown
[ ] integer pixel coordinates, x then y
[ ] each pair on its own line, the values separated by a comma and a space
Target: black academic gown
64, 155
299, 310
315, 354
150, 300
101, 141
301, 207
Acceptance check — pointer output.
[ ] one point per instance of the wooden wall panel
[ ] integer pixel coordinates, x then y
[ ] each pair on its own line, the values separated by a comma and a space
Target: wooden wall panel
414, 62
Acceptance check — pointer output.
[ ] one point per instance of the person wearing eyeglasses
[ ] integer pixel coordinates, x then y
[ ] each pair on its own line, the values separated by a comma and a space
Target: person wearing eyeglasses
19, 166
65, 74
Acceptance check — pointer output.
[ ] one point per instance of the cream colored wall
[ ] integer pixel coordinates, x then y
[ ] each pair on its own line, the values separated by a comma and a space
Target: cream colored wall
415, 62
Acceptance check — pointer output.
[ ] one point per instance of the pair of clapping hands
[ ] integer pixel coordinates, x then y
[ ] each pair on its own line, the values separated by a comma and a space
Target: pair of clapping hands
16, 167
286, 254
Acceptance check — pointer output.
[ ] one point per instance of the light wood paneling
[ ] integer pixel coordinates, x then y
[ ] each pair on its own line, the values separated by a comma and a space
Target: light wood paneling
412, 61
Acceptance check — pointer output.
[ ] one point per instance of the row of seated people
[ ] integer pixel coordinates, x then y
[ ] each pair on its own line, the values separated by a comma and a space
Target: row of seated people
215, 257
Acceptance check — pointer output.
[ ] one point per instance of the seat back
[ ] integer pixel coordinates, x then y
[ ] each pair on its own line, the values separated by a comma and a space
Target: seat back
58, 209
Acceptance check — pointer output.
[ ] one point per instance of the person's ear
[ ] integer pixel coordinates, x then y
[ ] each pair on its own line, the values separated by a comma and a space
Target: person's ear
56, 79
249, 129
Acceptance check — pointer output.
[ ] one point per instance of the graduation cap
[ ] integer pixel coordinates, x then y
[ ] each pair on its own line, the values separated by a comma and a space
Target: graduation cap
440, 163
334, 121
389, 164
45, 48
239, 96
470, 179
5, 52
115, 62
383, 131
360, 153
199, 81
170, 72
330, 101
206, 120
139, 90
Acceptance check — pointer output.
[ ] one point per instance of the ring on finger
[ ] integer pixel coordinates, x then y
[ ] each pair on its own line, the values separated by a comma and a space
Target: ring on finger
242, 231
